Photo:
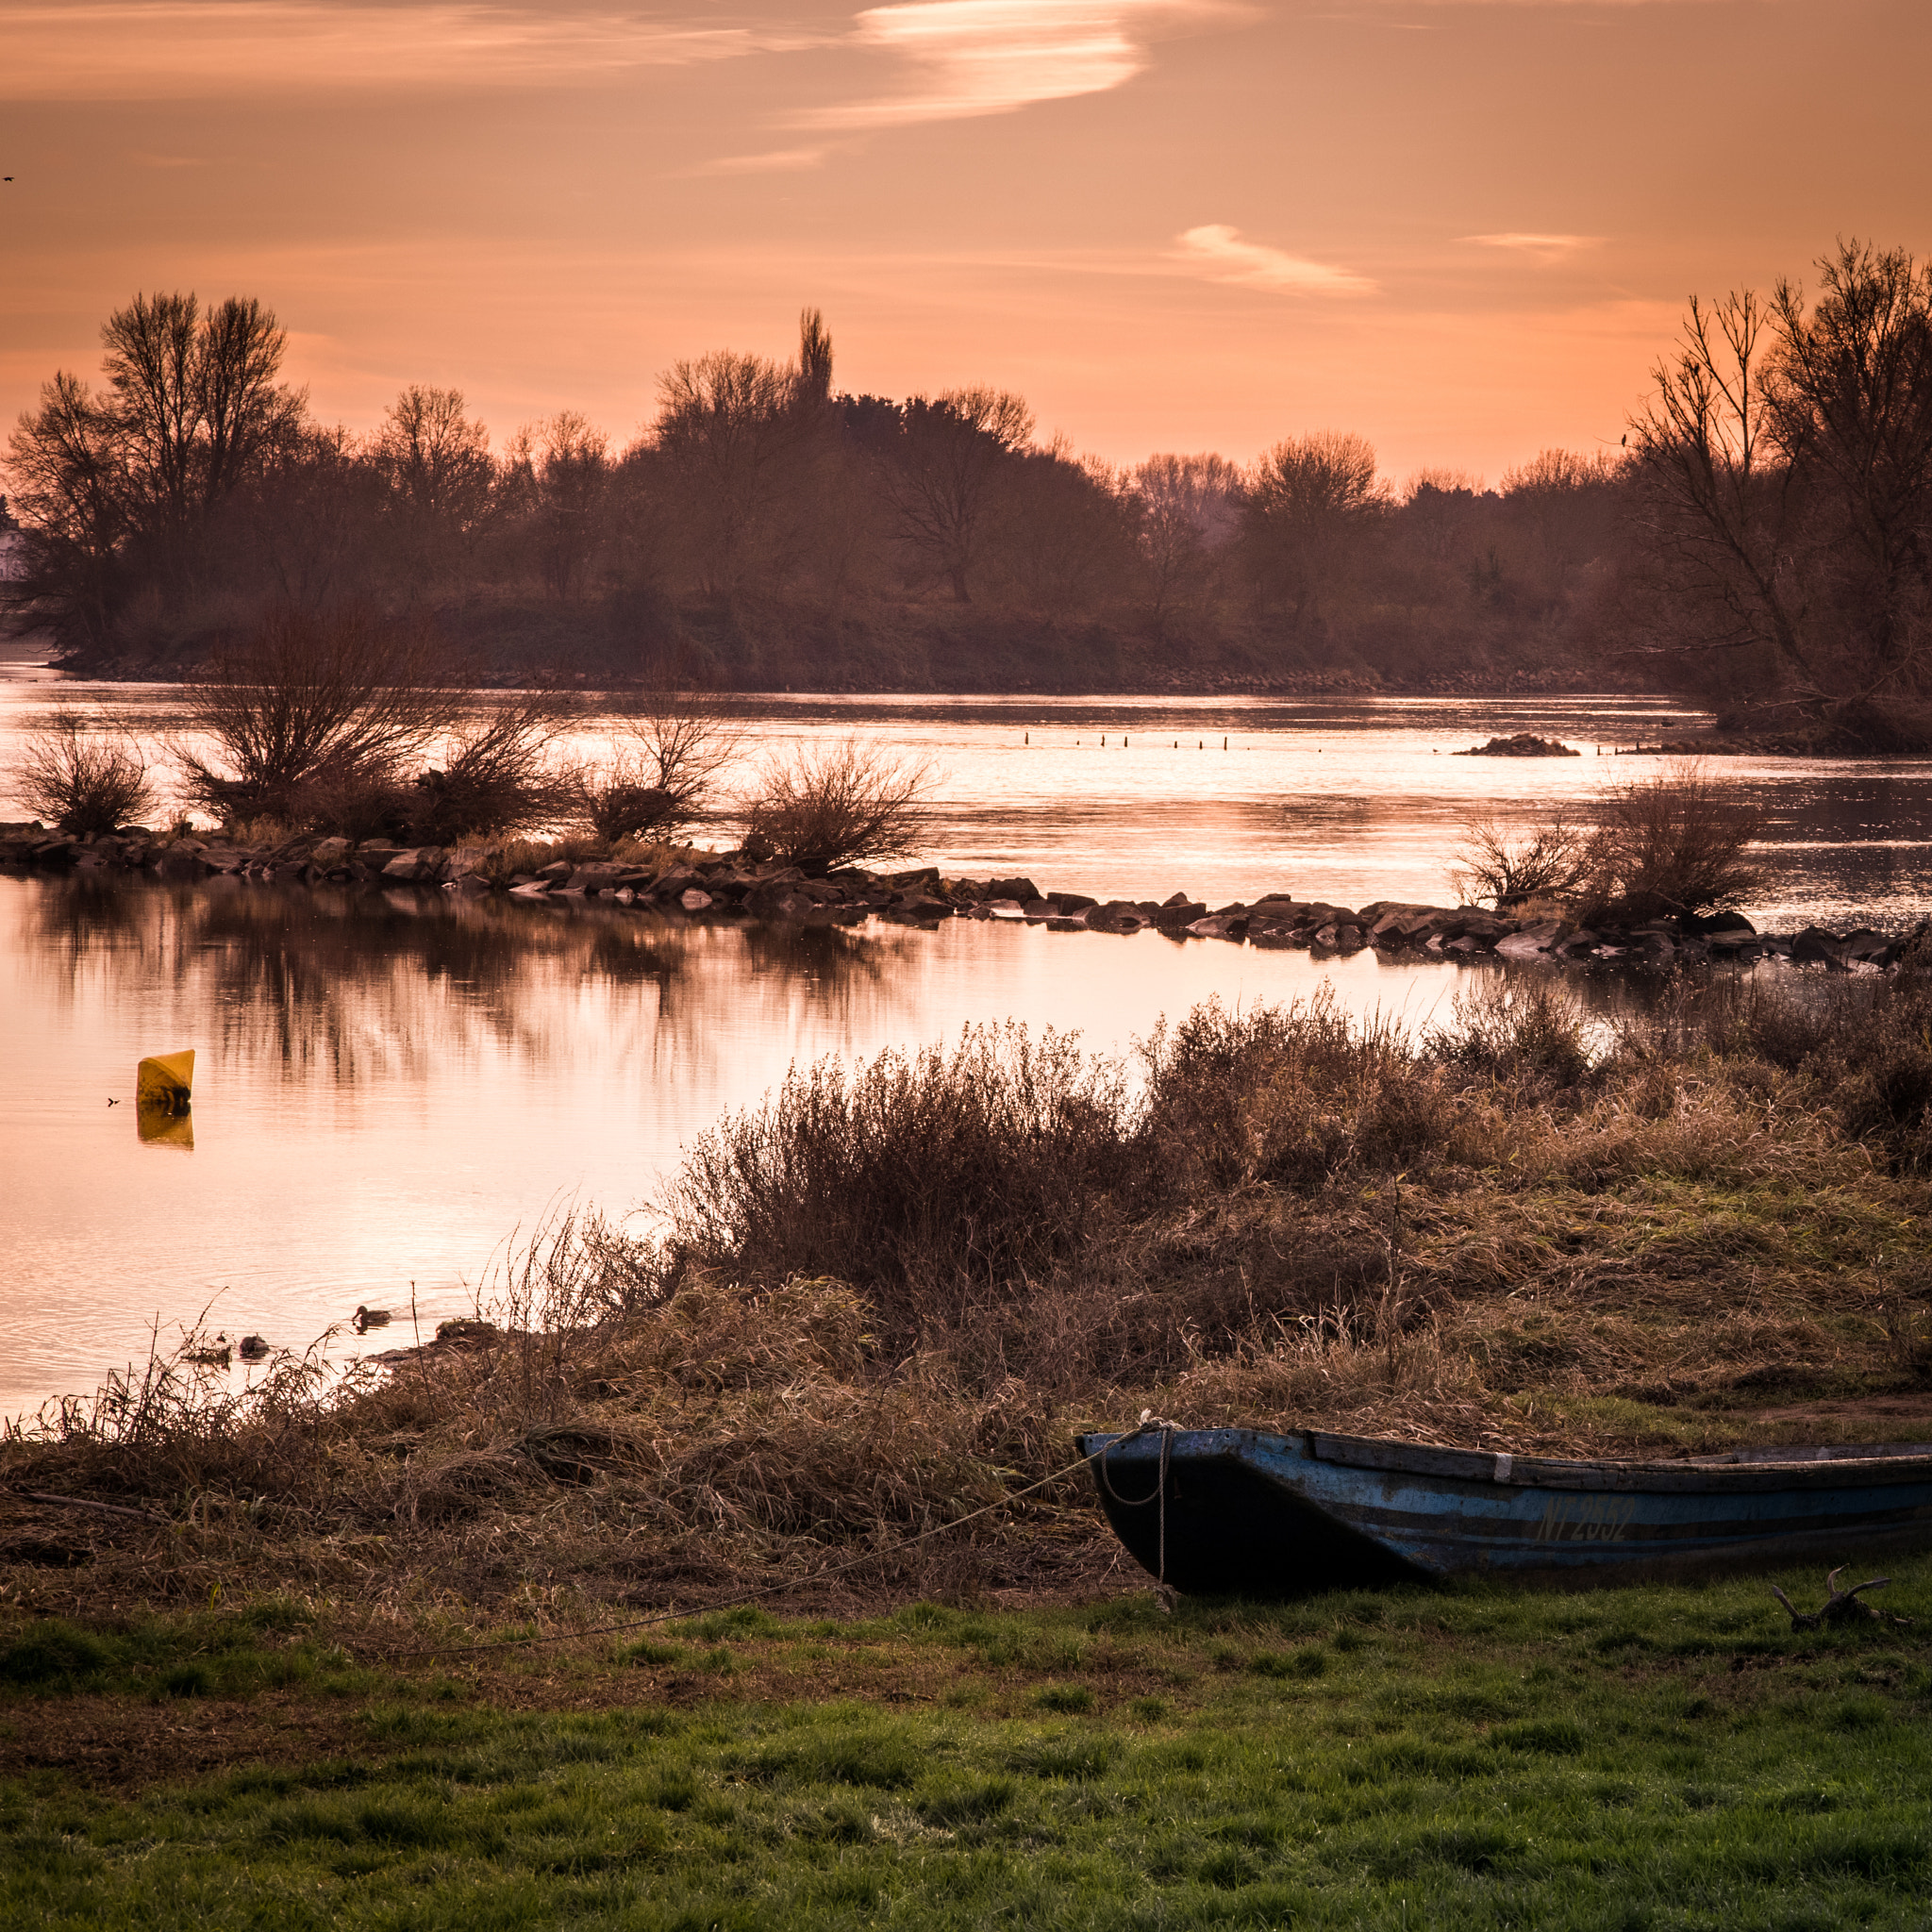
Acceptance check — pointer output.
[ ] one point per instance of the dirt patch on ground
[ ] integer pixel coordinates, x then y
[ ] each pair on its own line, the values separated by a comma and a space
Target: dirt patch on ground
1903, 1418
113, 1743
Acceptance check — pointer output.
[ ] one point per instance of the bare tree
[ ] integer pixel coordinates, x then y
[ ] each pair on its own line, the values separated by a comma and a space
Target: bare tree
127, 481
1851, 393
435, 463
67, 473
726, 428
1306, 500
941, 471
195, 400
346, 703
566, 471
1721, 506
1189, 513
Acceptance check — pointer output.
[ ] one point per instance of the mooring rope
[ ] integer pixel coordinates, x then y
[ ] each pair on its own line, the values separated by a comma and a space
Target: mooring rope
1149, 1422
1147, 1425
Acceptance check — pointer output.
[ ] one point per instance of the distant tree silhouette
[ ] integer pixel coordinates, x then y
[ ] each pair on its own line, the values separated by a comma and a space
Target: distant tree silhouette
1190, 511
1786, 486
1306, 501
941, 470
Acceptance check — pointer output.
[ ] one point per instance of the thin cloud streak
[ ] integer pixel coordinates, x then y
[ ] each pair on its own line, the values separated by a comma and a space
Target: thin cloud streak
1549, 248
180, 49
783, 160
1221, 253
971, 57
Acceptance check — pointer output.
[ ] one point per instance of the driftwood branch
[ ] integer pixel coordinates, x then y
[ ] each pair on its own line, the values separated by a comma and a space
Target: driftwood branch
84, 1503
1842, 1607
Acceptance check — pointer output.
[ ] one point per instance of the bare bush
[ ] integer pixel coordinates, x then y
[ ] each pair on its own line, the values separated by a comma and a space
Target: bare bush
1668, 845
924, 1180
314, 712
663, 773
1516, 1028
1671, 845
840, 804
496, 775
84, 781
1507, 866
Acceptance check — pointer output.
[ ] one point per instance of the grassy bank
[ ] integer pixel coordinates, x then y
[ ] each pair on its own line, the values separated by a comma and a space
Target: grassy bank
1654, 1757
888, 1298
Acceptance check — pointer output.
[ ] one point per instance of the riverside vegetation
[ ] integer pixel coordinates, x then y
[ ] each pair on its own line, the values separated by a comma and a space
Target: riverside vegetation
1762, 537
879, 1306
884, 1301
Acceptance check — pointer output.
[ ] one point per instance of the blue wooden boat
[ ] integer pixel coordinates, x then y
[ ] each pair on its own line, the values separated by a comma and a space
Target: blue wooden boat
1242, 1513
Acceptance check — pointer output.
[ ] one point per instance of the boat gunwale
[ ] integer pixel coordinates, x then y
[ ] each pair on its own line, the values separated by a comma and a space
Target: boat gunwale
1899, 1465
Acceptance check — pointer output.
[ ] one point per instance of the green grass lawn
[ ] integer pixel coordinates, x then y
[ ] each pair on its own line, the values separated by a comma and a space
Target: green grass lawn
1642, 1757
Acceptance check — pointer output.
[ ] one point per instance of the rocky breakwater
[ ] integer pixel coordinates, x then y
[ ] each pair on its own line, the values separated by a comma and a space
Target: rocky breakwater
692, 882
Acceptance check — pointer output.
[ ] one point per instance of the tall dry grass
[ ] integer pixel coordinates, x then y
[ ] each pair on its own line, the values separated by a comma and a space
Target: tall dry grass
893, 1293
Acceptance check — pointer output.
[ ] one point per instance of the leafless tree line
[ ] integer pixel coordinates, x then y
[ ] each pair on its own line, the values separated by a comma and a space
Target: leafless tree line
1763, 529
193, 487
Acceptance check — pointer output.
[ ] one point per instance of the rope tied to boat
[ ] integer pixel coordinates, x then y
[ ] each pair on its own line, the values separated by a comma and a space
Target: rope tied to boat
1149, 1422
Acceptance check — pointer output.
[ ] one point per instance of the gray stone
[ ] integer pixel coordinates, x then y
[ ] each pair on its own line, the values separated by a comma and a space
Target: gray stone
420, 866
1515, 945
694, 899
183, 860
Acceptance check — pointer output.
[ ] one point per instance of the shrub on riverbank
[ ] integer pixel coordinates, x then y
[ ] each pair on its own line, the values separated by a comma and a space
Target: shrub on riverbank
1656, 848
84, 782
820, 807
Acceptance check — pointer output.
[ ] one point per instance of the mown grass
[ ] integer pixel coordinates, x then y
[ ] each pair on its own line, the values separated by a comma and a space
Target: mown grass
1657, 1758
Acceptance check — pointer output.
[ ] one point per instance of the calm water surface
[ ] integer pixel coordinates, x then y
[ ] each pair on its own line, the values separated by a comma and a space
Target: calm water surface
389, 1084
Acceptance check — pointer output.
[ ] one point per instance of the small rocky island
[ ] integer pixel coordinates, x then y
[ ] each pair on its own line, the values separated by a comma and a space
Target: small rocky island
1523, 744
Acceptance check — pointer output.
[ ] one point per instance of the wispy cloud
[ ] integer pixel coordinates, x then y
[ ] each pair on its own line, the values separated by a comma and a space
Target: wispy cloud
172, 49
1547, 247
1220, 253
992, 56
782, 160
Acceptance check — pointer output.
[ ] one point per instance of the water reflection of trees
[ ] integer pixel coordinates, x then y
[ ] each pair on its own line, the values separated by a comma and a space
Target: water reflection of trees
364, 985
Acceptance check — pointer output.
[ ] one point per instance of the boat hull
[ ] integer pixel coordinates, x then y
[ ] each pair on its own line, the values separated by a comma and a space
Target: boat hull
1251, 1513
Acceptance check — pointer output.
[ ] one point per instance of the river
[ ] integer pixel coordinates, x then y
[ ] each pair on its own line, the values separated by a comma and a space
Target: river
390, 1084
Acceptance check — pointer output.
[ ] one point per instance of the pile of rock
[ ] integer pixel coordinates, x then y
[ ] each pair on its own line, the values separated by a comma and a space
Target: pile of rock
737, 884
1520, 745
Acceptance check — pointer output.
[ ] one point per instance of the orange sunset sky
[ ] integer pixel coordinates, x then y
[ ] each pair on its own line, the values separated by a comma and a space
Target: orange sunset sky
1465, 230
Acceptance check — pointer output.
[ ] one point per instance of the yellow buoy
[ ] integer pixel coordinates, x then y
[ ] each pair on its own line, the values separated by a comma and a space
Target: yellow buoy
157, 1128
164, 1082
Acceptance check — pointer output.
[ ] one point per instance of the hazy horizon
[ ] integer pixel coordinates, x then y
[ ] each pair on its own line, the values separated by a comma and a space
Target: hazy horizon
1464, 230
